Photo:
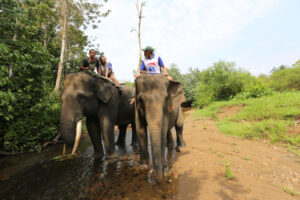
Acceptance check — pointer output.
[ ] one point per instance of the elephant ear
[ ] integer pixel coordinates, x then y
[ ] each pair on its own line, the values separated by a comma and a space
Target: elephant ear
104, 89
176, 95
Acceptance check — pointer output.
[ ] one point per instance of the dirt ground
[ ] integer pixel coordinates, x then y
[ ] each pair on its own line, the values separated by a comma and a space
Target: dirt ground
261, 170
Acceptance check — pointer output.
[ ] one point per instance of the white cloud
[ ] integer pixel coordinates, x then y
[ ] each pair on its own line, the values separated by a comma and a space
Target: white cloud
182, 31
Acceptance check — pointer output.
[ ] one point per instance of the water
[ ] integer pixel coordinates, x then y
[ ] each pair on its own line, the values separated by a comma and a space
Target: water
39, 176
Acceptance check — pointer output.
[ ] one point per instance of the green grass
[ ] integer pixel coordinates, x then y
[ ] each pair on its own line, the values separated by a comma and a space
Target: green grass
246, 158
228, 173
290, 190
267, 117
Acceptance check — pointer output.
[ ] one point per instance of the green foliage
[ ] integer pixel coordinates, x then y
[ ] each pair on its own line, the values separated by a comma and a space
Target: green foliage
189, 81
268, 117
131, 84
284, 79
29, 54
255, 92
222, 82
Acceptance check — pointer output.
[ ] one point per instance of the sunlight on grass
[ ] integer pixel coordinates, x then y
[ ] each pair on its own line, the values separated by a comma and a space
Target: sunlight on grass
268, 117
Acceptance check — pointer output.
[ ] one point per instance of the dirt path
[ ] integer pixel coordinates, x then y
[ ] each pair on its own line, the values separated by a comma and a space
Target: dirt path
260, 170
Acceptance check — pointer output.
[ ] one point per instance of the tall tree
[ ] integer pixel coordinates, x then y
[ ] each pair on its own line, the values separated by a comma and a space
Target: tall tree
64, 12
81, 14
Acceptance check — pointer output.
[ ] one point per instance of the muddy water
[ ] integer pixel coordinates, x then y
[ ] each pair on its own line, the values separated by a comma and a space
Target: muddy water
39, 176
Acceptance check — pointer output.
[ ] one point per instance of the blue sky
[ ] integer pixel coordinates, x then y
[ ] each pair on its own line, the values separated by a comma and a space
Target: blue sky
256, 34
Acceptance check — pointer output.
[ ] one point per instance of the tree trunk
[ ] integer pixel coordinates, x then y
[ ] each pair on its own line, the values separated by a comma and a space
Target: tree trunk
140, 11
63, 45
45, 36
10, 70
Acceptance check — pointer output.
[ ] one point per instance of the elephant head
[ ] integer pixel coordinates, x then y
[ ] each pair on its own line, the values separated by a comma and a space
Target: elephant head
81, 95
156, 96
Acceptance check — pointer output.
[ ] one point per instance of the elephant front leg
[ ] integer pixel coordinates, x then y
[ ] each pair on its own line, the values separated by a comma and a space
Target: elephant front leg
107, 129
92, 123
141, 130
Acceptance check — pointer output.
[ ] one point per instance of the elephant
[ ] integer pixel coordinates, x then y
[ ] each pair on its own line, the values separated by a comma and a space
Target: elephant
176, 120
88, 94
156, 98
126, 115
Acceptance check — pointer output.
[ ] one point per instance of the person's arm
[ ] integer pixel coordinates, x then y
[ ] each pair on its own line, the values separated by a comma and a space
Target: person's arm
142, 68
84, 65
161, 64
98, 66
108, 68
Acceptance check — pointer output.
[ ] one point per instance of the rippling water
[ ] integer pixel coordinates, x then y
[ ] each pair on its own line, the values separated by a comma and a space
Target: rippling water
39, 176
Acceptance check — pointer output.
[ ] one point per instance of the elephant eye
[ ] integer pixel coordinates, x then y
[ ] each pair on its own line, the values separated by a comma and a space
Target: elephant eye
81, 98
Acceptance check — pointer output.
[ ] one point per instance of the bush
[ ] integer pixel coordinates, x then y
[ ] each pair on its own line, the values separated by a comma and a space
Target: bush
255, 92
29, 130
285, 79
222, 82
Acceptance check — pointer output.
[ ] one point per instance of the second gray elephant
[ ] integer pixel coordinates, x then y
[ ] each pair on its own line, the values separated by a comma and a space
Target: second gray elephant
126, 116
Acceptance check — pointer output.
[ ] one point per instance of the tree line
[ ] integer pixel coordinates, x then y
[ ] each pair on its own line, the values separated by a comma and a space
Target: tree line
224, 81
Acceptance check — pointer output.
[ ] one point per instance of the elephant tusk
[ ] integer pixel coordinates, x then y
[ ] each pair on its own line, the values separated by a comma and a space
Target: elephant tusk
64, 149
78, 134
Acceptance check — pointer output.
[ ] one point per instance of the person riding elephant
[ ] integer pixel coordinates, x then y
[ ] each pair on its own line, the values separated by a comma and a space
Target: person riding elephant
156, 97
88, 94
91, 63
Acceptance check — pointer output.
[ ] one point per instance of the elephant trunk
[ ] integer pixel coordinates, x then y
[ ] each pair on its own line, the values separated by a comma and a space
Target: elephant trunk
154, 121
70, 131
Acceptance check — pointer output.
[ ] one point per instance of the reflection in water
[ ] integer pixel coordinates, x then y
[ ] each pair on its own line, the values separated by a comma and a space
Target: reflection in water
38, 176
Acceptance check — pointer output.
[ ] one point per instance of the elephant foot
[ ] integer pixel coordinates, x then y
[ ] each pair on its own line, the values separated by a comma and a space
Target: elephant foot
165, 171
181, 148
112, 156
120, 143
143, 167
99, 155
134, 144
158, 176
170, 144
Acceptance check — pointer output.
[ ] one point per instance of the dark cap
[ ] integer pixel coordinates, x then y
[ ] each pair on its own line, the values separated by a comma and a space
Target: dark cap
149, 48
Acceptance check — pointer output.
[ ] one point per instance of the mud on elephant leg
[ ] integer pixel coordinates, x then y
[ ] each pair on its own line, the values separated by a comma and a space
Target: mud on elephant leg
180, 143
122, 136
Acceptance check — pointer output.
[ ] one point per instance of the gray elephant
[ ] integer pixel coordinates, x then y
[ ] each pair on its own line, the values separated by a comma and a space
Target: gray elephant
176, 120
156, 97
87, 94
126, 116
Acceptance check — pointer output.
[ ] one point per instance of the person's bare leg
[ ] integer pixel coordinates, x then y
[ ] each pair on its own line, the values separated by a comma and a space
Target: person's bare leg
114, 80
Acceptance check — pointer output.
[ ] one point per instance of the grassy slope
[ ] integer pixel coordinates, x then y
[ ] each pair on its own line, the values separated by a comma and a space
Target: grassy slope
266, 117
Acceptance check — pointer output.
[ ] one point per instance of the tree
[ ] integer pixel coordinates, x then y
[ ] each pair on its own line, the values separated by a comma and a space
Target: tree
64, 11
29, 112
76, 15
139, 9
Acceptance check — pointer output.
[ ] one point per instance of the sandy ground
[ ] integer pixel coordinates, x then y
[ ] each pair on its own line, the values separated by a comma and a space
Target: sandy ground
261, 170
